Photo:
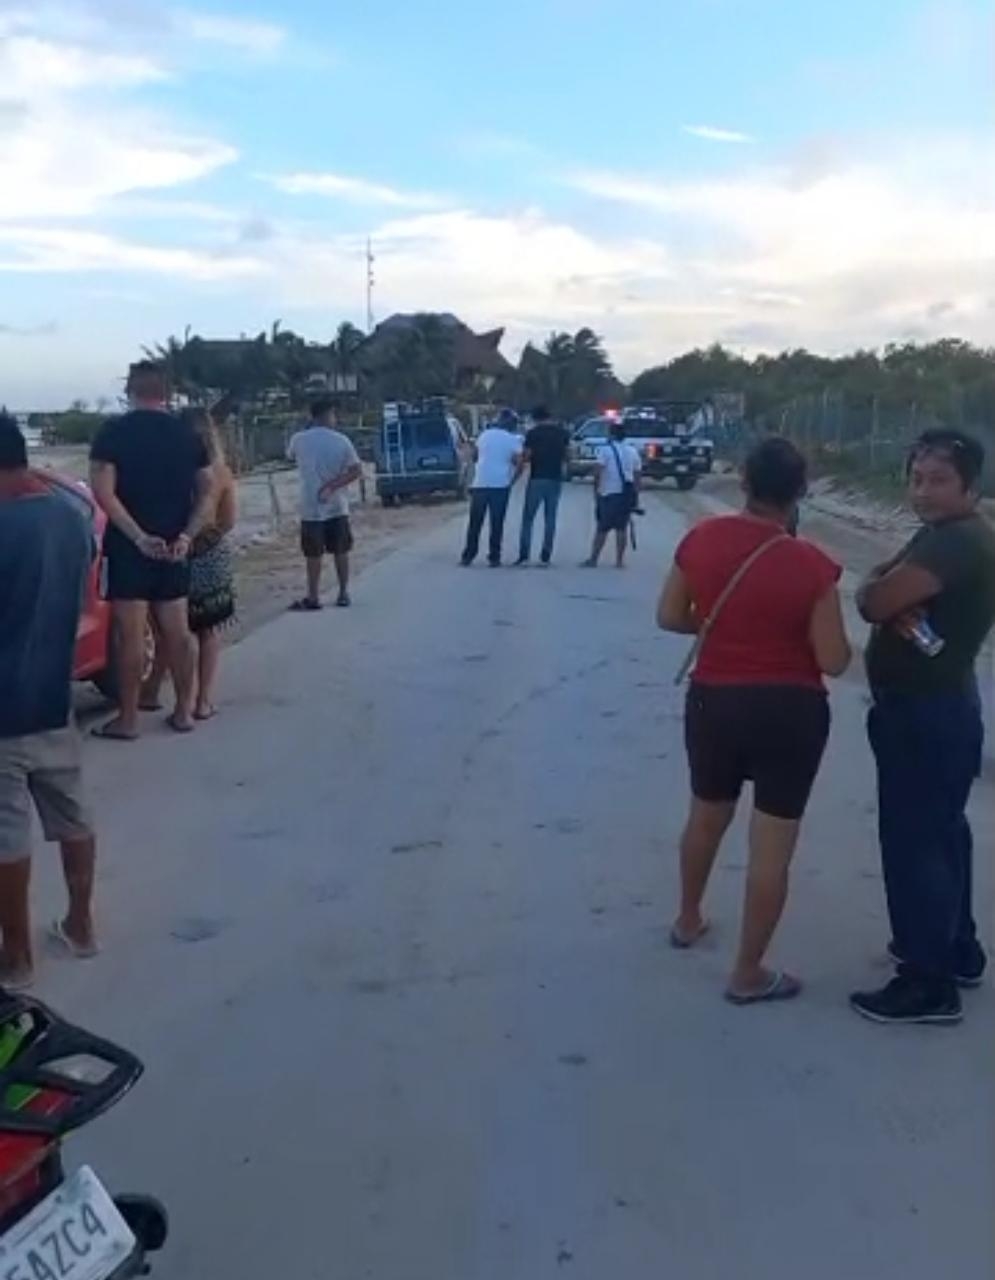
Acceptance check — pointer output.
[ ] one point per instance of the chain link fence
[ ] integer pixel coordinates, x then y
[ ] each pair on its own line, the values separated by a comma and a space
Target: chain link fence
865, 438
252, 443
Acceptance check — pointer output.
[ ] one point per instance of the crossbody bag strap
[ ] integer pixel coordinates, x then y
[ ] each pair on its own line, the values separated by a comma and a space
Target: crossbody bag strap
618, 463
706, 627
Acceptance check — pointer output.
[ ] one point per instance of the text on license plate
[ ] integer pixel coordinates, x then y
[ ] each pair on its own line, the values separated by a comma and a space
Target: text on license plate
75, 1232
682, 466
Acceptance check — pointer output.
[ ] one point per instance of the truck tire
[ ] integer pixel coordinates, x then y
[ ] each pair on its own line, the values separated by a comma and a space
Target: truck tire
686, 483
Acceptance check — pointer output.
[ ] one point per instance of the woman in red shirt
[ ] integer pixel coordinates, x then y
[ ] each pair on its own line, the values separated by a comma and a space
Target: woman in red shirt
757, 708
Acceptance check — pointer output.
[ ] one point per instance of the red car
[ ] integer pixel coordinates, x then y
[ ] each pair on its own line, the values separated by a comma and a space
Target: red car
95, 638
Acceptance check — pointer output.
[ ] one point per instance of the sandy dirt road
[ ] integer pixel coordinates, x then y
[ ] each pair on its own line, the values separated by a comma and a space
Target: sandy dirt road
391, 937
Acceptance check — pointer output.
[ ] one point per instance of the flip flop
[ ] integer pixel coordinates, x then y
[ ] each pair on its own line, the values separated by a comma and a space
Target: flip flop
150, 706
57, 933
306, 606
680, 943
105, 732
206, 715
176, 726
782, 986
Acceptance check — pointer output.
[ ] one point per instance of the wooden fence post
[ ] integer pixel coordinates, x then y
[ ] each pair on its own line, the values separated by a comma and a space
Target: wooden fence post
274, 499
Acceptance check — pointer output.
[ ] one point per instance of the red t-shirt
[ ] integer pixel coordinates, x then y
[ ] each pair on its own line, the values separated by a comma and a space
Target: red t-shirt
761, 635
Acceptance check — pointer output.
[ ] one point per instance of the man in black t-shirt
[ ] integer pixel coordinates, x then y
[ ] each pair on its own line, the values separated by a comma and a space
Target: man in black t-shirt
545, 453
151, 473
932, 607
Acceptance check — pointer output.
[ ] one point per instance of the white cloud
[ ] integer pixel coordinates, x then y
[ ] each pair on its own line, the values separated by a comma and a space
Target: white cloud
57, 250
769, 226
62, 162
260, 39
526, 272
66, 148
712, 134
31, 67
338, 186
858, 249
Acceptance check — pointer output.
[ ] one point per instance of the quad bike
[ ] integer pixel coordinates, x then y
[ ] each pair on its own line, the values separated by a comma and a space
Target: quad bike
55, 1078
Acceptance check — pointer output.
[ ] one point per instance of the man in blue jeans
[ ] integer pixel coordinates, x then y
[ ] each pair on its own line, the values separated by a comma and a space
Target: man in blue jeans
545, 454
499, 464
932, 607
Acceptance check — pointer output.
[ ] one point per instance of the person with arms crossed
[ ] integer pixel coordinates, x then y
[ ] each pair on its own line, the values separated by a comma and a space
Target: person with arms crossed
327, 464
499, 464
765, 608
616, 494
931, 607
545, 455
151, 474
45, 555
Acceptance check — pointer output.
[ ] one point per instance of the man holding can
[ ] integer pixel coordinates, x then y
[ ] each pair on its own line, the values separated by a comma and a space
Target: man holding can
932, 607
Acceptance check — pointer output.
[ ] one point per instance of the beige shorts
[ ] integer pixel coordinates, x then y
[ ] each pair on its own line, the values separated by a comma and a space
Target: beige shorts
43, 768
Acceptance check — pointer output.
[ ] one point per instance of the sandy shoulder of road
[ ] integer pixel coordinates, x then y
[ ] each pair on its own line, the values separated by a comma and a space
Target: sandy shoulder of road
269, 570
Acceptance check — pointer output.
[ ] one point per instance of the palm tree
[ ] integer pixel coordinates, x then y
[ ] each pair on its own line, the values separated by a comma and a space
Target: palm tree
172, 355
417, 361
343, 348
559, 352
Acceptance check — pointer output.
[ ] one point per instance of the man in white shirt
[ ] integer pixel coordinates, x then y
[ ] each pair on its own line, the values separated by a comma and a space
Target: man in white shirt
327, 465
616, 494
499, 463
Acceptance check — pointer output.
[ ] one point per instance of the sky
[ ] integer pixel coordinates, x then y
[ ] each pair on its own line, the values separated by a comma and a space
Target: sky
762, 173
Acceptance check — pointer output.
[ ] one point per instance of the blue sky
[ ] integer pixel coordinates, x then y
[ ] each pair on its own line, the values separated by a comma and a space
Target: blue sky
759, 172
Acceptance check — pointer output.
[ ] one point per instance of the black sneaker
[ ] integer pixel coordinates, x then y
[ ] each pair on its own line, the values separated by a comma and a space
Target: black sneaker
521, 562
909, 999
970, 967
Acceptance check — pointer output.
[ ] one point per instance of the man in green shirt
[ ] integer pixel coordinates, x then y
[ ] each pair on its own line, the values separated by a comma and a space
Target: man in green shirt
932, 607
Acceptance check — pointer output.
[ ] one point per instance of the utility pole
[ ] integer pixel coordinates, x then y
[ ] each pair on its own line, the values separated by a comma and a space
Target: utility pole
369, 285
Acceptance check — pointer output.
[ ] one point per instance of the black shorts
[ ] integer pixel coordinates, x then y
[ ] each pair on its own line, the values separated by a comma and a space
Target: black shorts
771, 735
133, 576
614, 513
333, 535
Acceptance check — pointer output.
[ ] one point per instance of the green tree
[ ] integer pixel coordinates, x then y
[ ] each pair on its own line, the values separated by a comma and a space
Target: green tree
419, 360
346, 343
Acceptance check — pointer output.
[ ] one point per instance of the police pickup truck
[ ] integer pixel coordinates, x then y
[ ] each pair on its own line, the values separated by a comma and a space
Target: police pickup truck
671, 436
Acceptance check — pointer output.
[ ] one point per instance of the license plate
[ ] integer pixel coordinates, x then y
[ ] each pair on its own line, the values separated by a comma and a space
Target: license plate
75, 1232
682, 468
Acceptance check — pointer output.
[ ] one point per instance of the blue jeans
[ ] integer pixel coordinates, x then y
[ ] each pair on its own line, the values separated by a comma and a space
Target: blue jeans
928, 753
545, 494
492, 503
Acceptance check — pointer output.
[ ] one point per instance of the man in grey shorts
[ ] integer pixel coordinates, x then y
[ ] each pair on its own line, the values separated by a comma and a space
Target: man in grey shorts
45, 553
327, 464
